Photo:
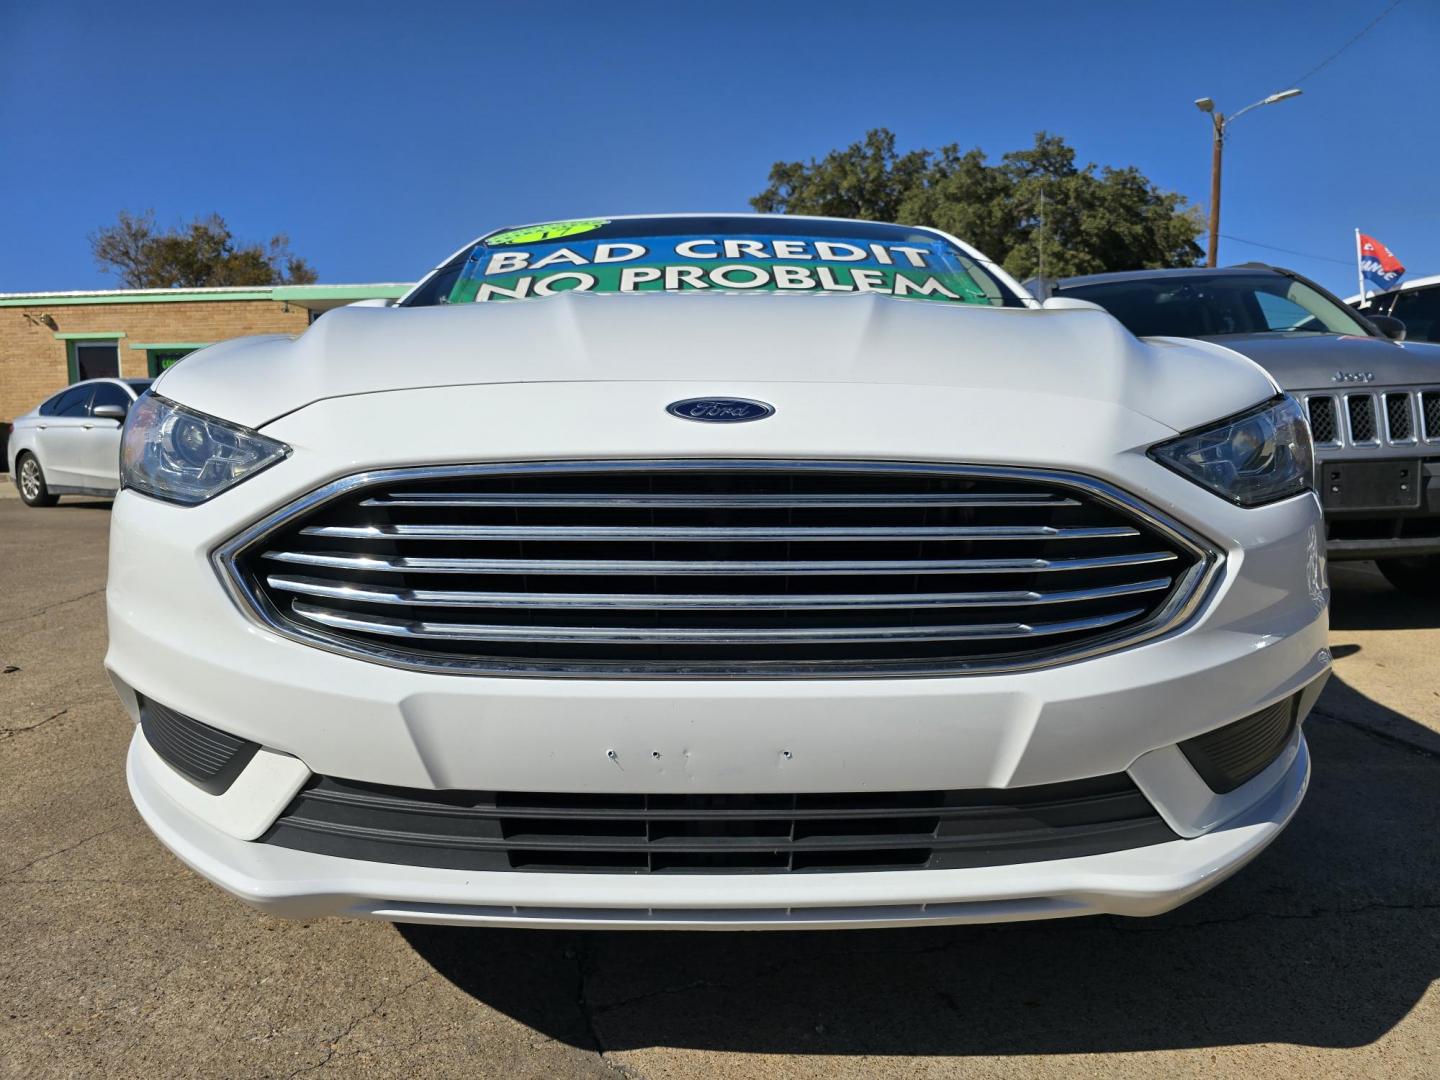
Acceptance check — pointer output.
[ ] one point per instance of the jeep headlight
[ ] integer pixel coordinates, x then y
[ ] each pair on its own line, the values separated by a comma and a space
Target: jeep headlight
1257, 457
178, 454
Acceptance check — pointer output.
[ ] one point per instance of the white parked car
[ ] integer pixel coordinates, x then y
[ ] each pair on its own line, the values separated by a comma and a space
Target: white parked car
717, 572
70, 444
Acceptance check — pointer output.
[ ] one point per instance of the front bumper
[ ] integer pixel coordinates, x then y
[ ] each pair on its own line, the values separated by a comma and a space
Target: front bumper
1140, 882
177, 638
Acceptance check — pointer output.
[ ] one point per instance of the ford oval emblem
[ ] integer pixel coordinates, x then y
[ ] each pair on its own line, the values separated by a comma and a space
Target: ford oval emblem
720, 410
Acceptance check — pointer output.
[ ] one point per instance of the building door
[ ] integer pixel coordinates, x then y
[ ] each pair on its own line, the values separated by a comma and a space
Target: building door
94, 360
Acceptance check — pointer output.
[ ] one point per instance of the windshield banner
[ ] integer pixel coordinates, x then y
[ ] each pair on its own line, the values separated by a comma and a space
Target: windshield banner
519, 271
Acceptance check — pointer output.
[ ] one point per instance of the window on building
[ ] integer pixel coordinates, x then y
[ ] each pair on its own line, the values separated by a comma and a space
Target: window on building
94, 360
163, 359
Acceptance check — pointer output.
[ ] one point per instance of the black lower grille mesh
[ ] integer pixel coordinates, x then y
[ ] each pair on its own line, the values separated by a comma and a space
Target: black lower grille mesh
1229, 756
208, 757
1322, 419
787, 833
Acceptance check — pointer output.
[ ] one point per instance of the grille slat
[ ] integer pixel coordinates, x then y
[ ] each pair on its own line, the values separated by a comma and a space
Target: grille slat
721, 833
375, 624
683, 602
710, 535
751, 568
717, 502
711, 568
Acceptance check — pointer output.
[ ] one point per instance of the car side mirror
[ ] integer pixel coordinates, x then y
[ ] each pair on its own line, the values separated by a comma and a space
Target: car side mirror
1388, 325
1069, 303
108, 412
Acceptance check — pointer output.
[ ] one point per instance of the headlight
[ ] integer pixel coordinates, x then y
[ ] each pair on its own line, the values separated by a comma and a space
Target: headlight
1251, 459
175, 453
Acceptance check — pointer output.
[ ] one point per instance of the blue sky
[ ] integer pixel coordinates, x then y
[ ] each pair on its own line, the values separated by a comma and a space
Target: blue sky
381, 136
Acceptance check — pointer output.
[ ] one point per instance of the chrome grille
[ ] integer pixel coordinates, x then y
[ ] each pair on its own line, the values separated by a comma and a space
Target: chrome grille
715, 568
1374, 418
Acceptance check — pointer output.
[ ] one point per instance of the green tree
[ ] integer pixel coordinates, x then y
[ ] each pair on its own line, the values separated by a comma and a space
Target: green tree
203, 253
1034, 207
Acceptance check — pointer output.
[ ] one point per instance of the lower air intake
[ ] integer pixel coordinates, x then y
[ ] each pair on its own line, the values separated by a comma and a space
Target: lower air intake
209, 758
719, 834
1231, 755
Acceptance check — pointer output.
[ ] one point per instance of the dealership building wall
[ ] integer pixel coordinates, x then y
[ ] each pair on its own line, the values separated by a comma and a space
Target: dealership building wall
49, 340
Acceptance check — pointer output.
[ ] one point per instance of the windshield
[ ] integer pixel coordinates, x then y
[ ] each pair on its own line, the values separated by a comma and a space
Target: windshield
1213, 305
719, 254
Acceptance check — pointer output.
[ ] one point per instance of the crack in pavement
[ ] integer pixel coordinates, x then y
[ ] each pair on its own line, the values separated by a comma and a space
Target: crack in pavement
6, 732
331, 1045
50, 607
584, 965
8, 874
6, 882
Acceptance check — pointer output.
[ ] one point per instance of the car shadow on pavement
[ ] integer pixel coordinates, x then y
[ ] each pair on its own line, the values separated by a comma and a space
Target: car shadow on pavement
1326, 940
1363, 600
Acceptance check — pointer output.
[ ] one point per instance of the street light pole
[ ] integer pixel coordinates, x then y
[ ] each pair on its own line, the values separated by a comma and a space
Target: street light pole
1217, 155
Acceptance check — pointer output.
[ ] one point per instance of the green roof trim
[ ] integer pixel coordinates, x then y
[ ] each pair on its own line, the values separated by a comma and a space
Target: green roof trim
300, 293
139, 296
163, 345
91, 335
297, 294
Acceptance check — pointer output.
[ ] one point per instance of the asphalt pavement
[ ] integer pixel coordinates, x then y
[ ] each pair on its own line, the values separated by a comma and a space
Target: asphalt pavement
1319, 959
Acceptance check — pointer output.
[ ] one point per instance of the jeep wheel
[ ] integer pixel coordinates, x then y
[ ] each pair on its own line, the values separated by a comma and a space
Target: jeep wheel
1418, 575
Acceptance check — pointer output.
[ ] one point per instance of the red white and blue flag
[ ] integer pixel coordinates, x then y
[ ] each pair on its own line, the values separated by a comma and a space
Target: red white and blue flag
1379, 268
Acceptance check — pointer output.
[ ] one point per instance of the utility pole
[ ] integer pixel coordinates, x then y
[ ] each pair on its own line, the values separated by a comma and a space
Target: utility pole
1217, 155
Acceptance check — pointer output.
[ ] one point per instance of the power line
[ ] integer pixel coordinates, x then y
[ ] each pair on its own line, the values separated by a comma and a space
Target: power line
1287, 251
1335, 55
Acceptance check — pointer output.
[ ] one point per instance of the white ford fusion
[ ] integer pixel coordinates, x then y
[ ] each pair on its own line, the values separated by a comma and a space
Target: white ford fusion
717, 572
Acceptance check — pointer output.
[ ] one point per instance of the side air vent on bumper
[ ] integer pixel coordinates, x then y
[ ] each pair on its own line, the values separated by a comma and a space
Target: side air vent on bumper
1227, 757
710, 568
209, 758
724, 834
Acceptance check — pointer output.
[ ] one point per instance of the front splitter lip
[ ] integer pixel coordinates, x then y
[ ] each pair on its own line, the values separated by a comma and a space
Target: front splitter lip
1138, 882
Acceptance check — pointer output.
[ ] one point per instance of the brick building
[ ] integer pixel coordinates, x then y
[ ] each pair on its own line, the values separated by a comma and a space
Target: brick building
48, 340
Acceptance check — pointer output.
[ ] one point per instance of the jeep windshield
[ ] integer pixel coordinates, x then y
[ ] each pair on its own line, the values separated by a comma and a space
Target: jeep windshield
1214, 305
715, 254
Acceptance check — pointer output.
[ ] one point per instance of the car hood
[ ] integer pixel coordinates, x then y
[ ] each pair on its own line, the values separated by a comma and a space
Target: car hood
714, 341
1311, 361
